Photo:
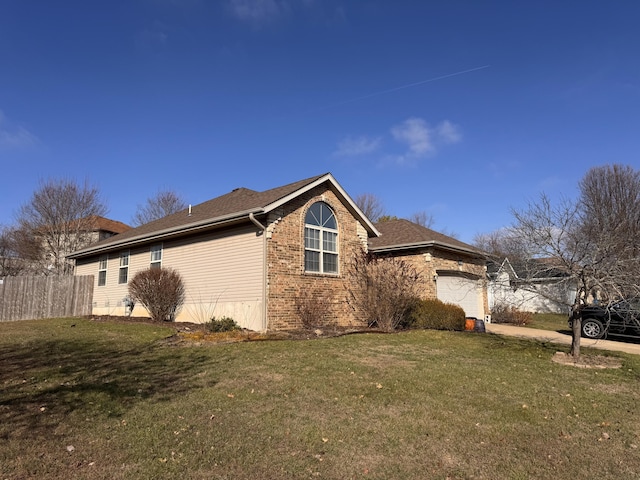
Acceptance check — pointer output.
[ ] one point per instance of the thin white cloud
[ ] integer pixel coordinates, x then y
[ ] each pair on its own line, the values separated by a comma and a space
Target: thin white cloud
354, 146
258, 11
15, 137
448, 132
416, 135
261, 12
421, 139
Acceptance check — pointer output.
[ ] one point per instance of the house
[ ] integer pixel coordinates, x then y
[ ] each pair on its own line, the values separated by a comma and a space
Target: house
74, 235
44, 250
253, 255
454, 271
537, 287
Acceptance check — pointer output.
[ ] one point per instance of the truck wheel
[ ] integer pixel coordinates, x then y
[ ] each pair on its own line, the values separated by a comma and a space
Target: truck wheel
592, 328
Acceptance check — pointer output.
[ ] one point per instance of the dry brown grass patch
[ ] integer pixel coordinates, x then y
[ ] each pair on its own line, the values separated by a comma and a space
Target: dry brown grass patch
587, 361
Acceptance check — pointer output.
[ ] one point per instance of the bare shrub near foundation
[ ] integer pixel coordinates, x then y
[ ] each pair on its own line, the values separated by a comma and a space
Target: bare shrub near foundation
382, 289
160, 290
311, 307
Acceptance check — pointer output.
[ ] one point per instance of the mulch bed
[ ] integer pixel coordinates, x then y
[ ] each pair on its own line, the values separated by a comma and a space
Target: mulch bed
197, 333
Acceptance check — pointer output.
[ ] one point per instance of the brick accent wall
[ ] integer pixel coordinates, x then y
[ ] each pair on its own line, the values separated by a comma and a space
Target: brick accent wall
430, 261
288, 283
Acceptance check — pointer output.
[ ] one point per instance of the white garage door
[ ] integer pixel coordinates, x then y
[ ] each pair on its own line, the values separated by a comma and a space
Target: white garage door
461, 291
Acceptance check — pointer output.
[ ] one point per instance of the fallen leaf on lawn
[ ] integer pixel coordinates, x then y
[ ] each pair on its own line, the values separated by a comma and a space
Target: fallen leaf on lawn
325, 440
378, 385
230, 395
70, 448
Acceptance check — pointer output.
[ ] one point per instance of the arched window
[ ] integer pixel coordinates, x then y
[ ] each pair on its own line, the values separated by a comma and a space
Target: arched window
320, 240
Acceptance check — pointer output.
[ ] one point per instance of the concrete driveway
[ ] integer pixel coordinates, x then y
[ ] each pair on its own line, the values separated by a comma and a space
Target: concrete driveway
555, 337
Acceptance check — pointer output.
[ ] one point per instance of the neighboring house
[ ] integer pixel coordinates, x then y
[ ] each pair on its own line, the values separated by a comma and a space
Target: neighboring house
78, 234
103, 228
543, 290
253, 255
44, 251
453, 271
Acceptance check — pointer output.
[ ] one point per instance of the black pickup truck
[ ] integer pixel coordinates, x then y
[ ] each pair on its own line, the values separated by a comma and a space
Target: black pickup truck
621, 317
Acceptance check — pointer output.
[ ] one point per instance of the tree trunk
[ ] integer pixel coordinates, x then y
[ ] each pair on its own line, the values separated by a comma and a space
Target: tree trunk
576, 328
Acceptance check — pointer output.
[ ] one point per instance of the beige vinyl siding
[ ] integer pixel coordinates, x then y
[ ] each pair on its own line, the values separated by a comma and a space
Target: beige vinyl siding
107, 299
222, 272
223, 275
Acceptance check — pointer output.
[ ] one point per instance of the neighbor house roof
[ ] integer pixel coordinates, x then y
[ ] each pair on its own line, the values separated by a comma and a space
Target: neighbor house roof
238, 205
400, 234
108, 225
535, 269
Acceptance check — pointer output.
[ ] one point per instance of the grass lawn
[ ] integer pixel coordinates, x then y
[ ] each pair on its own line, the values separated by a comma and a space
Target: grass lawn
118, 401
549, 321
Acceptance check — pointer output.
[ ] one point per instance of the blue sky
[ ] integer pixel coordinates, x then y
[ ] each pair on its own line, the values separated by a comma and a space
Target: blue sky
460, 108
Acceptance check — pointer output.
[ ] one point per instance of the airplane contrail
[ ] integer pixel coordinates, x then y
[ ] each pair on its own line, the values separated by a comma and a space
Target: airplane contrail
402, 87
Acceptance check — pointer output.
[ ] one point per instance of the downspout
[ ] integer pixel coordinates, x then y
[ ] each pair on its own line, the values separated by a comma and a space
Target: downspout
264, 269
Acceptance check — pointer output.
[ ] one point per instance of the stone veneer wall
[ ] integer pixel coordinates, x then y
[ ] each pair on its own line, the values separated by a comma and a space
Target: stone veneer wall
286, 278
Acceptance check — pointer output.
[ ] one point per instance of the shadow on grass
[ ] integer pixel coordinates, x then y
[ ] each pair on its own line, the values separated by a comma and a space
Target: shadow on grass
45, 380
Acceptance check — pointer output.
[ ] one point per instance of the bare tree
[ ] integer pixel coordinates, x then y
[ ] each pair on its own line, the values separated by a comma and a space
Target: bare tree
499, 244
371, 206
10, 262
164, 203
591, 243
386, 218
58, 219
423, 218
382, 289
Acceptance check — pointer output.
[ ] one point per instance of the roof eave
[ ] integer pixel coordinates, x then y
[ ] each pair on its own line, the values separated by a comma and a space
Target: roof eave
433, 243
164, 234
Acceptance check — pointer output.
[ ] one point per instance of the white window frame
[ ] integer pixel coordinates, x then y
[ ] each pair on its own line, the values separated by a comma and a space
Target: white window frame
156, 256
103, 265
318, 242
126, 257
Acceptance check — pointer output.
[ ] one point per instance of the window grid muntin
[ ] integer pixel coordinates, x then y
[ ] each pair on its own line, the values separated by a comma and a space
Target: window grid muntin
103, 263
156, 256
123, 273
321, 256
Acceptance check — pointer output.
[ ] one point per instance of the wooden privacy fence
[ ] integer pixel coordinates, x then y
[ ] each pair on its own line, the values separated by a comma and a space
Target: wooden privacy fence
26, 298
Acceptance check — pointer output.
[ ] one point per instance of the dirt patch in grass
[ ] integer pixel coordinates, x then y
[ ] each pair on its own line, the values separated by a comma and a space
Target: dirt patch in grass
587, 361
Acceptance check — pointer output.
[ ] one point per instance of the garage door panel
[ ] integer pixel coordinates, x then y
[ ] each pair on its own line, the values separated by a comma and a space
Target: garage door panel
461, 291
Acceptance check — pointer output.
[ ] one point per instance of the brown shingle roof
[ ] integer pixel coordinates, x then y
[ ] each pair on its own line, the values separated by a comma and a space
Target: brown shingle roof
235, 204
402, 234
108, 225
